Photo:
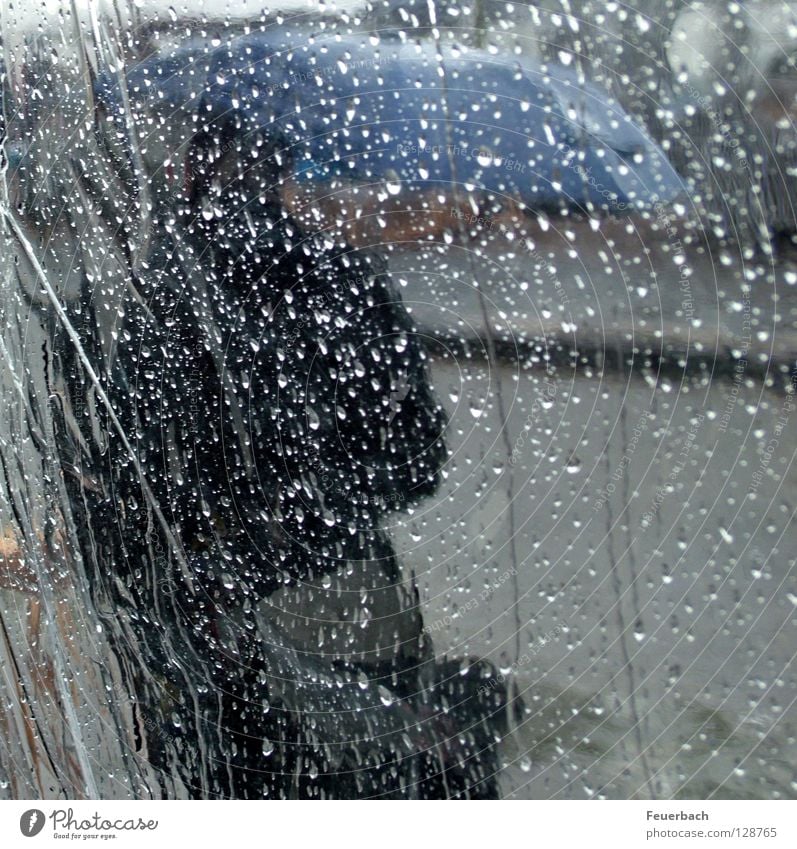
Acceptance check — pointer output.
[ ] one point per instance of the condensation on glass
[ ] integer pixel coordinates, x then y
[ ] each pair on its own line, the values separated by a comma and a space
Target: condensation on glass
397, 400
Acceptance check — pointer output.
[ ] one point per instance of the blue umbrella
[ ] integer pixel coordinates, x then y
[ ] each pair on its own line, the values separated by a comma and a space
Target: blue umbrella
349, 109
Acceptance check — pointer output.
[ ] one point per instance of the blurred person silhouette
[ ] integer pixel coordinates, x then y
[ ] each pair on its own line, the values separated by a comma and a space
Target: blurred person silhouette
239, 405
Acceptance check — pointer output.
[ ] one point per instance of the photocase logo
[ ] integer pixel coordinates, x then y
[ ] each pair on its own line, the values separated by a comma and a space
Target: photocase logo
31, 822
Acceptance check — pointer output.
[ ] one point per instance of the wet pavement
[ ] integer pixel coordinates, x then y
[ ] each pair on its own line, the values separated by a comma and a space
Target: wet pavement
618, 540
630, 287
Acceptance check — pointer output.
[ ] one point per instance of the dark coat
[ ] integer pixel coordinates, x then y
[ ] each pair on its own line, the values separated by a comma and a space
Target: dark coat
268, 405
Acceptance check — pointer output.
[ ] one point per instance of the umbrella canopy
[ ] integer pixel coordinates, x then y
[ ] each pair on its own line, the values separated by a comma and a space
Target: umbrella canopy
354, 109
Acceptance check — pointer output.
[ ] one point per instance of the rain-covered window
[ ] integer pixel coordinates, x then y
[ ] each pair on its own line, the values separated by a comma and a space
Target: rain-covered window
398, 399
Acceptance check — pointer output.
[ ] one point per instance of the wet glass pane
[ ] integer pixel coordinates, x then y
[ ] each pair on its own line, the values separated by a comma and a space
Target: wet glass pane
397, 400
